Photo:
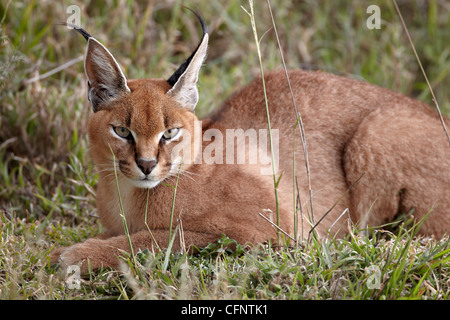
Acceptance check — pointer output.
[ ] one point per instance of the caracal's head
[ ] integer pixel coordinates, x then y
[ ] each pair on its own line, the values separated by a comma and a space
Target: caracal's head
141, 129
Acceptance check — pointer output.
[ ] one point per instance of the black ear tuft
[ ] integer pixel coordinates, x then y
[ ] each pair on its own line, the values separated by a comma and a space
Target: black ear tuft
78, 29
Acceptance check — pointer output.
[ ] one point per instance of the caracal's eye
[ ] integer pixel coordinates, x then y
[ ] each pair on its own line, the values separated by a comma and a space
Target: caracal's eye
122, 132
170, 133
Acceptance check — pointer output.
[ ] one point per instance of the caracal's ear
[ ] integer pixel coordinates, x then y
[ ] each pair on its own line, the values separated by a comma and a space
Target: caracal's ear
105, 78
184, 80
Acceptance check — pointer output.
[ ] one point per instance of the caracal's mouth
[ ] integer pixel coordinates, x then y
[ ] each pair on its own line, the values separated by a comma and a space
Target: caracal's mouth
145, 183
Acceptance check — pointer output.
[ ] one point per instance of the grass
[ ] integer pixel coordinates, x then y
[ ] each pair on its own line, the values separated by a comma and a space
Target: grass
47, 181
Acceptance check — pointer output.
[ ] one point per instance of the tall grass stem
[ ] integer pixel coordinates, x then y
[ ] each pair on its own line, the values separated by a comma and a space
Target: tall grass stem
122, 214
275, 180
298, 116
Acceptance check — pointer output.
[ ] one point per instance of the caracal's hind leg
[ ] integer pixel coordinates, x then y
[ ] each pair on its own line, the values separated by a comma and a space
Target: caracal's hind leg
402, 157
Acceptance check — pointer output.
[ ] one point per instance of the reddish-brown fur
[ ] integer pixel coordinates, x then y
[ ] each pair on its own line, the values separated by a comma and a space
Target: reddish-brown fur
371, 150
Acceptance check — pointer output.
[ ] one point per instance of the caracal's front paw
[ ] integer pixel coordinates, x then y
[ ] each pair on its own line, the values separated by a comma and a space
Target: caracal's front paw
88, 255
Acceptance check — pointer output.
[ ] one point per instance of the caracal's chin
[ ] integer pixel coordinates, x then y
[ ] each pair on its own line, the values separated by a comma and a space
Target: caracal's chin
147, 183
